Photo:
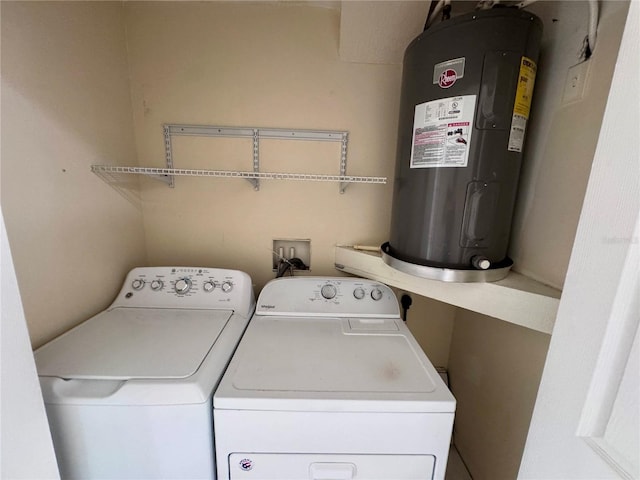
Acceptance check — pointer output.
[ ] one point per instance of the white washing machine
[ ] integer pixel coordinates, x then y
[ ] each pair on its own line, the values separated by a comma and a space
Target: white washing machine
328, 383
128, 393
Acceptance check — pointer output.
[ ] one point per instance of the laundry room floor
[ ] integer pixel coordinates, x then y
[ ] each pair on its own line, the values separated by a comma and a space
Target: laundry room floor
456, 469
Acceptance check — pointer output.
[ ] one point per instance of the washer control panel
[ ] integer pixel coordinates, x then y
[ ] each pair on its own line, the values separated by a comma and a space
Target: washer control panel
184, 287
183, 281
328, 296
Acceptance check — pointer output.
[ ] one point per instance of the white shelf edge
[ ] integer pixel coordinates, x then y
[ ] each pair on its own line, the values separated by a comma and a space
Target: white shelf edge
516, 299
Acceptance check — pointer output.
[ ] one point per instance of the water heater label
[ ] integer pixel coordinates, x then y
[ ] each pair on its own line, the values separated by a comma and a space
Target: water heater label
522, 104
442, 132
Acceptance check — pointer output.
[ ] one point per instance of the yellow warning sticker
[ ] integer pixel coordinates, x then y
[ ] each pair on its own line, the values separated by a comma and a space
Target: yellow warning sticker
522, 104
524, 92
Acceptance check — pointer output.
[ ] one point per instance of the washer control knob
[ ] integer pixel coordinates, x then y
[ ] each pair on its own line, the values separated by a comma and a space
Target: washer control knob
182, 286
209, 286
226, 287
376, 294
328, 291
157, 285
359, 293
137, 284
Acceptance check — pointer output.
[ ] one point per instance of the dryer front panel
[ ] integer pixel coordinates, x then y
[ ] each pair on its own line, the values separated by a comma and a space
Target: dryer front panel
299, 466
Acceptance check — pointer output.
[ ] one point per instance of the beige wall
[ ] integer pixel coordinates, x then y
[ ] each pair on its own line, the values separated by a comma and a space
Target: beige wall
65, 106
65, 84
561, 137
269, 65
494, 370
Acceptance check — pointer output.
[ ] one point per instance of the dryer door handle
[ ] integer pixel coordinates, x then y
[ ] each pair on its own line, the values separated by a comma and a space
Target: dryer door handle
331, 471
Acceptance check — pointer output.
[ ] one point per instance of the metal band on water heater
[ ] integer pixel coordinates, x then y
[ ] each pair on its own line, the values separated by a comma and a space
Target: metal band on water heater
466, 96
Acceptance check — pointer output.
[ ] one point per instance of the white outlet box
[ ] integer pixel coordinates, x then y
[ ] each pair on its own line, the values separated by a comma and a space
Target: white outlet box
298, 248
576, 83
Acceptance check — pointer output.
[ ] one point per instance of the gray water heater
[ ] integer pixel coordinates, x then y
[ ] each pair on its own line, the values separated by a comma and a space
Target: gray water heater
467, 85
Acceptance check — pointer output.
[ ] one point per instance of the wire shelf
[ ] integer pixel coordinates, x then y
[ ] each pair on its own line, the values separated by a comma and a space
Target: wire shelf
166, 175
162, 172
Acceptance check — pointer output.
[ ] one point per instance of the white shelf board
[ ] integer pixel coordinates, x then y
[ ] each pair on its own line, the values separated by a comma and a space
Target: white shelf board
515, 299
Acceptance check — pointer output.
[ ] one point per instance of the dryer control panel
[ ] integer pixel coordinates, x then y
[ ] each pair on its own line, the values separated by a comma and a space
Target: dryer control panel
185, 287
327, 296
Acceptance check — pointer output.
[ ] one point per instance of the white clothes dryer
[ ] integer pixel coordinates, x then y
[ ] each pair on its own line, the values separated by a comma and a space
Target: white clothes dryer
329, 383
128, 393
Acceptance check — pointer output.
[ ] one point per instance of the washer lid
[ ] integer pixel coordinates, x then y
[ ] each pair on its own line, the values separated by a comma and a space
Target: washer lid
339, 357
134, 343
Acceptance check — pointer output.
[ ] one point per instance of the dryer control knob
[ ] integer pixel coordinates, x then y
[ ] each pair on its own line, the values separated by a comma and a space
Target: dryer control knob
182, 286
359, 293
137, 284
376, 294
209, 286
157, 285
328, 291
226, 287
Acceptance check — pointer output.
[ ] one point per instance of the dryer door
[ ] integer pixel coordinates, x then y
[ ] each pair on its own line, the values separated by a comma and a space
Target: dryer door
297, 466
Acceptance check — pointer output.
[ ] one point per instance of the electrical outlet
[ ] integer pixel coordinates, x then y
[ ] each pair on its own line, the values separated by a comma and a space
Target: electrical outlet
298, 248
575, 85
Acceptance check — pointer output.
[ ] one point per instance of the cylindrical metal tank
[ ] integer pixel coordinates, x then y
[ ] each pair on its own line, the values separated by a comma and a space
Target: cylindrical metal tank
467, 85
